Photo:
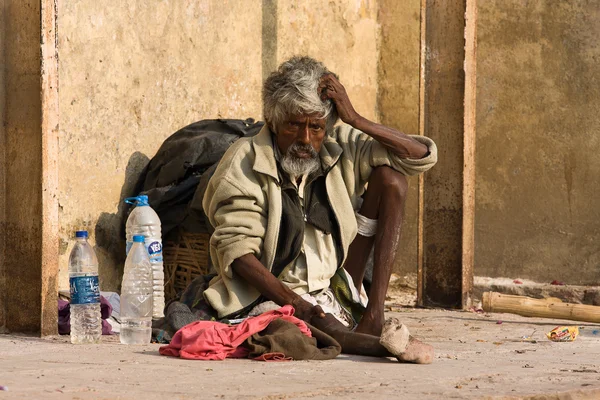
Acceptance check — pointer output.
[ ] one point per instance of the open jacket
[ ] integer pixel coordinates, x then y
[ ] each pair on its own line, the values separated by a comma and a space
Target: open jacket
243, 201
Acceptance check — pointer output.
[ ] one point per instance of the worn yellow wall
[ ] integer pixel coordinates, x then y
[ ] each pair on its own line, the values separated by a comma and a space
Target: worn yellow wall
398, 100
133, 72
343, 34
23, 180
538, 164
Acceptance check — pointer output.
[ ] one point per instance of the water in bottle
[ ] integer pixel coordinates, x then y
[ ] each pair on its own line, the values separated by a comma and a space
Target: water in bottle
136, 295
143, 220
86, 322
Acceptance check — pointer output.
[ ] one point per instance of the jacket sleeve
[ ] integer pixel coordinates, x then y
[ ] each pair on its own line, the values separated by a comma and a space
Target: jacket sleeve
238, 220
367, 153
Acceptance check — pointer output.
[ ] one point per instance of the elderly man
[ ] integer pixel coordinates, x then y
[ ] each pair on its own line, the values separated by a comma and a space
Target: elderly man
298, 208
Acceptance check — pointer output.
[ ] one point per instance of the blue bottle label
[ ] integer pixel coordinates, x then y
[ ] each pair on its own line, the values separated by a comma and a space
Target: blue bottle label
85, 290
154, 251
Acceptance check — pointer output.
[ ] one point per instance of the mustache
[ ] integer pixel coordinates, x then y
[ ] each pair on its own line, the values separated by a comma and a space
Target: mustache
301, 148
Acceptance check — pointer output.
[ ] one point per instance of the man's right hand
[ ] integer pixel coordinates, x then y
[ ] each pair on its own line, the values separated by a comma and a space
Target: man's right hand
259, 277
306, 311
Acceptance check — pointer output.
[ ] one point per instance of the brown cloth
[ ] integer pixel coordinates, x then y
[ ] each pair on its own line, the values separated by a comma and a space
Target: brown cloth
285, 338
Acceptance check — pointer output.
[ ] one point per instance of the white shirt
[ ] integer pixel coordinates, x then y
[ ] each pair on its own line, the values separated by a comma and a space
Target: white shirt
317, 261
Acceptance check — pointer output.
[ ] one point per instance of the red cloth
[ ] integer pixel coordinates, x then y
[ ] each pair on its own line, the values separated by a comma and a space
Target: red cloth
210, 340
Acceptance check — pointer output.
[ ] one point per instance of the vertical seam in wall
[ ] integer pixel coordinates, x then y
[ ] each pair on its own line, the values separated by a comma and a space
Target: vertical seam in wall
49, 158
2, 162
380, 75
269, 37
468, 234
421, 202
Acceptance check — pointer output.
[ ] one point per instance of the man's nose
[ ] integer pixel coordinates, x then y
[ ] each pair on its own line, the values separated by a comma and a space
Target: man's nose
304, 135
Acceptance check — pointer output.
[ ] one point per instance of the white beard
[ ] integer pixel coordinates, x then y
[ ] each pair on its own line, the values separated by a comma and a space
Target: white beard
296, 166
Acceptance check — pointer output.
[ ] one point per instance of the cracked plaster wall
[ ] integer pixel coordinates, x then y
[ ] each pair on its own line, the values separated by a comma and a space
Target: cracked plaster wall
398, 100
22, 179
131, 74
538, 169
342, 34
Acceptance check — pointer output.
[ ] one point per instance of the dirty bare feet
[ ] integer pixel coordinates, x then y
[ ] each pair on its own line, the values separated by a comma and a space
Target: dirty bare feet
397, 340
417, 352
370, 324
395, 336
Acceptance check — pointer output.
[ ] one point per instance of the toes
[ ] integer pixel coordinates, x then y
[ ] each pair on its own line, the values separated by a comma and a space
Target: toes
417, 353
395, 337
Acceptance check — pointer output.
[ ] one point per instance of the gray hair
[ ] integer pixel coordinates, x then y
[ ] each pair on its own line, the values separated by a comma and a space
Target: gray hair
292, 89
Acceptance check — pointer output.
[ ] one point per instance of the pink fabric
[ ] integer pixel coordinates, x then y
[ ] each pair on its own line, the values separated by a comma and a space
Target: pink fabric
210, 340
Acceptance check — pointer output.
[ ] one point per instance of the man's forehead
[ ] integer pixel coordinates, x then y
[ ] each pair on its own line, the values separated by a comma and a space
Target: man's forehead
301, 117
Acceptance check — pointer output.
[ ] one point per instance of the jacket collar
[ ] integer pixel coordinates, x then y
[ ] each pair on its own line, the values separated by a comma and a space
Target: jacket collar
330, 153
264, 162
265, 157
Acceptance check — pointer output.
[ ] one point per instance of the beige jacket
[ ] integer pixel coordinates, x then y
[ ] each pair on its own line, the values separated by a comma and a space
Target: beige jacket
243, 201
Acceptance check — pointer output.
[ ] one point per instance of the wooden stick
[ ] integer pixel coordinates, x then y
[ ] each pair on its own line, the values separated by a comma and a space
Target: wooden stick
543, 308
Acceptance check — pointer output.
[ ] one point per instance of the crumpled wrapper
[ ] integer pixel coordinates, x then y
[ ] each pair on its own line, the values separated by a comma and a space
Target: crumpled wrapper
563, 333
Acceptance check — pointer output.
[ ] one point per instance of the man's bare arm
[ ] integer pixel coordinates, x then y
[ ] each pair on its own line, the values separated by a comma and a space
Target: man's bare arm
253, 272
398, 142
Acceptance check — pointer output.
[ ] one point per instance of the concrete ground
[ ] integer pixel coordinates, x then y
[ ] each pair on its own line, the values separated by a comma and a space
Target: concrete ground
476, 357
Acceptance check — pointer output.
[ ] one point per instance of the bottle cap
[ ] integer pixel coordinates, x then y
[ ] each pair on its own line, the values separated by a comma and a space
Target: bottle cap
81, 234
141, 200
138, 238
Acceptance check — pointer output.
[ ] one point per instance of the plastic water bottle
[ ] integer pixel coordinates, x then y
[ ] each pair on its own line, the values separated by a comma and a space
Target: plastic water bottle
86, 322
136, 295
143, 220
590, 332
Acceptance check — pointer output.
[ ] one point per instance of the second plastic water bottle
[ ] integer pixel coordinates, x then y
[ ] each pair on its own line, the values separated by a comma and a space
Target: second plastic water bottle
143, 220
136, 295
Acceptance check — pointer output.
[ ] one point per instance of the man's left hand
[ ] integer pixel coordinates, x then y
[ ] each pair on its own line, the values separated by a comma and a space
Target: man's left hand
331, 88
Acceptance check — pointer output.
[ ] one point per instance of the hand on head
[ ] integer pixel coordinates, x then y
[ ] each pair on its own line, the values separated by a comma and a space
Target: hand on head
331, 88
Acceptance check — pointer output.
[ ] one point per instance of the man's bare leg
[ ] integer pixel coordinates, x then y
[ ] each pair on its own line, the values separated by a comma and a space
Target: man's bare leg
369, 345
383, 201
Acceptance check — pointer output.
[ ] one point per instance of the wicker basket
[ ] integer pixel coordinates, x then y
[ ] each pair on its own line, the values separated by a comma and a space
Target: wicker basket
185, 258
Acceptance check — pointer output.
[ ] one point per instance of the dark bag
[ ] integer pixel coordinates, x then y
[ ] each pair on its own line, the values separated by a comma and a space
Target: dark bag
177, 176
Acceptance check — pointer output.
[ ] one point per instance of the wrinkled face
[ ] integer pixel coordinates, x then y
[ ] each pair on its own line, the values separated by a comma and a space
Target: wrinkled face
301, 129
299, 139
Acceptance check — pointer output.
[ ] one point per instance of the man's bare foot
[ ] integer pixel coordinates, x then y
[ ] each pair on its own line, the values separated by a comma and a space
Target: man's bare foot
397, 340
417, 352
370, 325
395, 336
